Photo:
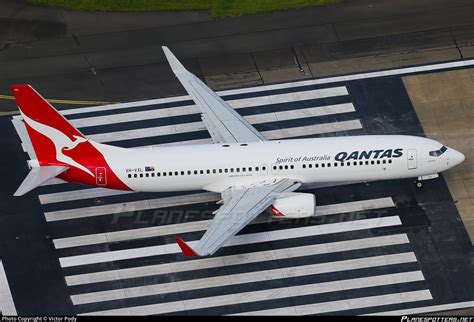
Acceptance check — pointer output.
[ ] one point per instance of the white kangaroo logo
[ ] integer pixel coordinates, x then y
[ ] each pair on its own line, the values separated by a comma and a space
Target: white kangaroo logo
60, 140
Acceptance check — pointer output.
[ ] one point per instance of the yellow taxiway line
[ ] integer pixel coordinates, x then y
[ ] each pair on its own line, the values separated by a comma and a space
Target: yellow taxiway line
9, 97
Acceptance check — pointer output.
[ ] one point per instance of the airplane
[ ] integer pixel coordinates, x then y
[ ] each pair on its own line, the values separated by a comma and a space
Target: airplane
250, 172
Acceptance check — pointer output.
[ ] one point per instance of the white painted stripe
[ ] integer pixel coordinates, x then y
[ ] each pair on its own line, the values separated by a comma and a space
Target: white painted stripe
155, 231
289, 132
295, 84
246, 239
429, 309
80, 194
247, 258
131, 206
265, 275
193, 109
279, 293
7, 306
349, 304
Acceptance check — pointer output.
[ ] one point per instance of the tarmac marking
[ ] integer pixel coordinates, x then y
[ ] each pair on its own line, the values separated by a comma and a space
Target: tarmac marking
171, 229
279, 293
57, 101
267, 236
343, 305
199, 126
7, 306
230, 260
296, 84
287, 272
429, 309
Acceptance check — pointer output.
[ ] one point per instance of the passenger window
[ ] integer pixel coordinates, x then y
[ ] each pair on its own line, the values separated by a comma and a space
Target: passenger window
208, 171
372, 162
141, 175
304, 166
390, 161
250, 169
342, 164
129, 175
158, 174
292, 166
286, 167
182, 173
329, 165
231, 169
322, 165
176, 173
195, 172
220, 170
201, 171
378, 161
274, 167
366, 162
189, 172
243, 169
226, 170
384, 161
361, 162
135, 175
354, 163
335, 164
237, 170
281, 167
164, 174
170, 174
256, 168
153, 174
310, 165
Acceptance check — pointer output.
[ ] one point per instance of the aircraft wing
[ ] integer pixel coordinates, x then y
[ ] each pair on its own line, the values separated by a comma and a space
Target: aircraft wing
241, 206
224, 124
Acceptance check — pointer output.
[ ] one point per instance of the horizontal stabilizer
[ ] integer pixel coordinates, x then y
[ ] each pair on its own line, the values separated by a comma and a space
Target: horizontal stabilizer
38, 176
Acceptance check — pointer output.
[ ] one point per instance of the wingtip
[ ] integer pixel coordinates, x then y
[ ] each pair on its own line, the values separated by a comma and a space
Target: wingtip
187, 251
174, 63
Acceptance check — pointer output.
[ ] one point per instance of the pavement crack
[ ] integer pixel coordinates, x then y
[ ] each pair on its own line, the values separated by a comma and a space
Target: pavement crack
297, 61
456, 43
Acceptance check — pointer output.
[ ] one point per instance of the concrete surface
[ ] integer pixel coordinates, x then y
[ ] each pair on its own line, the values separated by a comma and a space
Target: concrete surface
444, 104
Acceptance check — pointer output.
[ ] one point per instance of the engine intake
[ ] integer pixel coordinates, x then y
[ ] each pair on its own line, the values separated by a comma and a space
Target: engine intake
294, 205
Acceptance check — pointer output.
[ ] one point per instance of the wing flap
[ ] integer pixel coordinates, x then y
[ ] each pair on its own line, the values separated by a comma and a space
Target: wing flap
37, 176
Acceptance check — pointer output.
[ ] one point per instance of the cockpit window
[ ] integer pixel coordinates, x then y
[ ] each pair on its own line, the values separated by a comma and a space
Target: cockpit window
437, 153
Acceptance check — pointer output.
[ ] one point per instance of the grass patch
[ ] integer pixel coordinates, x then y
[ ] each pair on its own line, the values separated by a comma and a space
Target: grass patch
218, 8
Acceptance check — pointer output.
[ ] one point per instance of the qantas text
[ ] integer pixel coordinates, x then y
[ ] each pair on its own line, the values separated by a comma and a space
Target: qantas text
375, 154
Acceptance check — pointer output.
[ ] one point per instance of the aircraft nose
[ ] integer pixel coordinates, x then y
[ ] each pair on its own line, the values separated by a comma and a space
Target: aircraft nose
457, 157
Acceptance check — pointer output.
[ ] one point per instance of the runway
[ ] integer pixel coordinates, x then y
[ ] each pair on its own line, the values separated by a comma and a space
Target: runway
371, 249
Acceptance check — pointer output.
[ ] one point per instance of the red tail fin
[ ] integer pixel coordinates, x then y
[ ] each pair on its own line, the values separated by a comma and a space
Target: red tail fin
57, 143
44, 124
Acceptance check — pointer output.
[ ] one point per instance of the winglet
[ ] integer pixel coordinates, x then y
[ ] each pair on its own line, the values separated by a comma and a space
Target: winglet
175, 64
187, 251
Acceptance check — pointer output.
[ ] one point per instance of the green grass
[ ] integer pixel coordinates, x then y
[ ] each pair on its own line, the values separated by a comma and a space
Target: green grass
218, 8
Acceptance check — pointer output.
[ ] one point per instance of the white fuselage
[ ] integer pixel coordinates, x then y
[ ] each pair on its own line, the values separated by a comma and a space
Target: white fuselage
215, 167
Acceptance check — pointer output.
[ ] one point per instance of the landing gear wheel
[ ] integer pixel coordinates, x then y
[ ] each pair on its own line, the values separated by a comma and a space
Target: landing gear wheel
419, 184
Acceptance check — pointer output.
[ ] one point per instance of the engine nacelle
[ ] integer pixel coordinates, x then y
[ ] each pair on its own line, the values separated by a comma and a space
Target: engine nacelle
294, 205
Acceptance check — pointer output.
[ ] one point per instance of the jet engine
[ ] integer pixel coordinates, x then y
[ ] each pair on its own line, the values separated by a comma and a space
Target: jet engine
294, 205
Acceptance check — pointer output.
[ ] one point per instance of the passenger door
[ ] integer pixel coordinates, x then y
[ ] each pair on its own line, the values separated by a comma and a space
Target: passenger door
411, 159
